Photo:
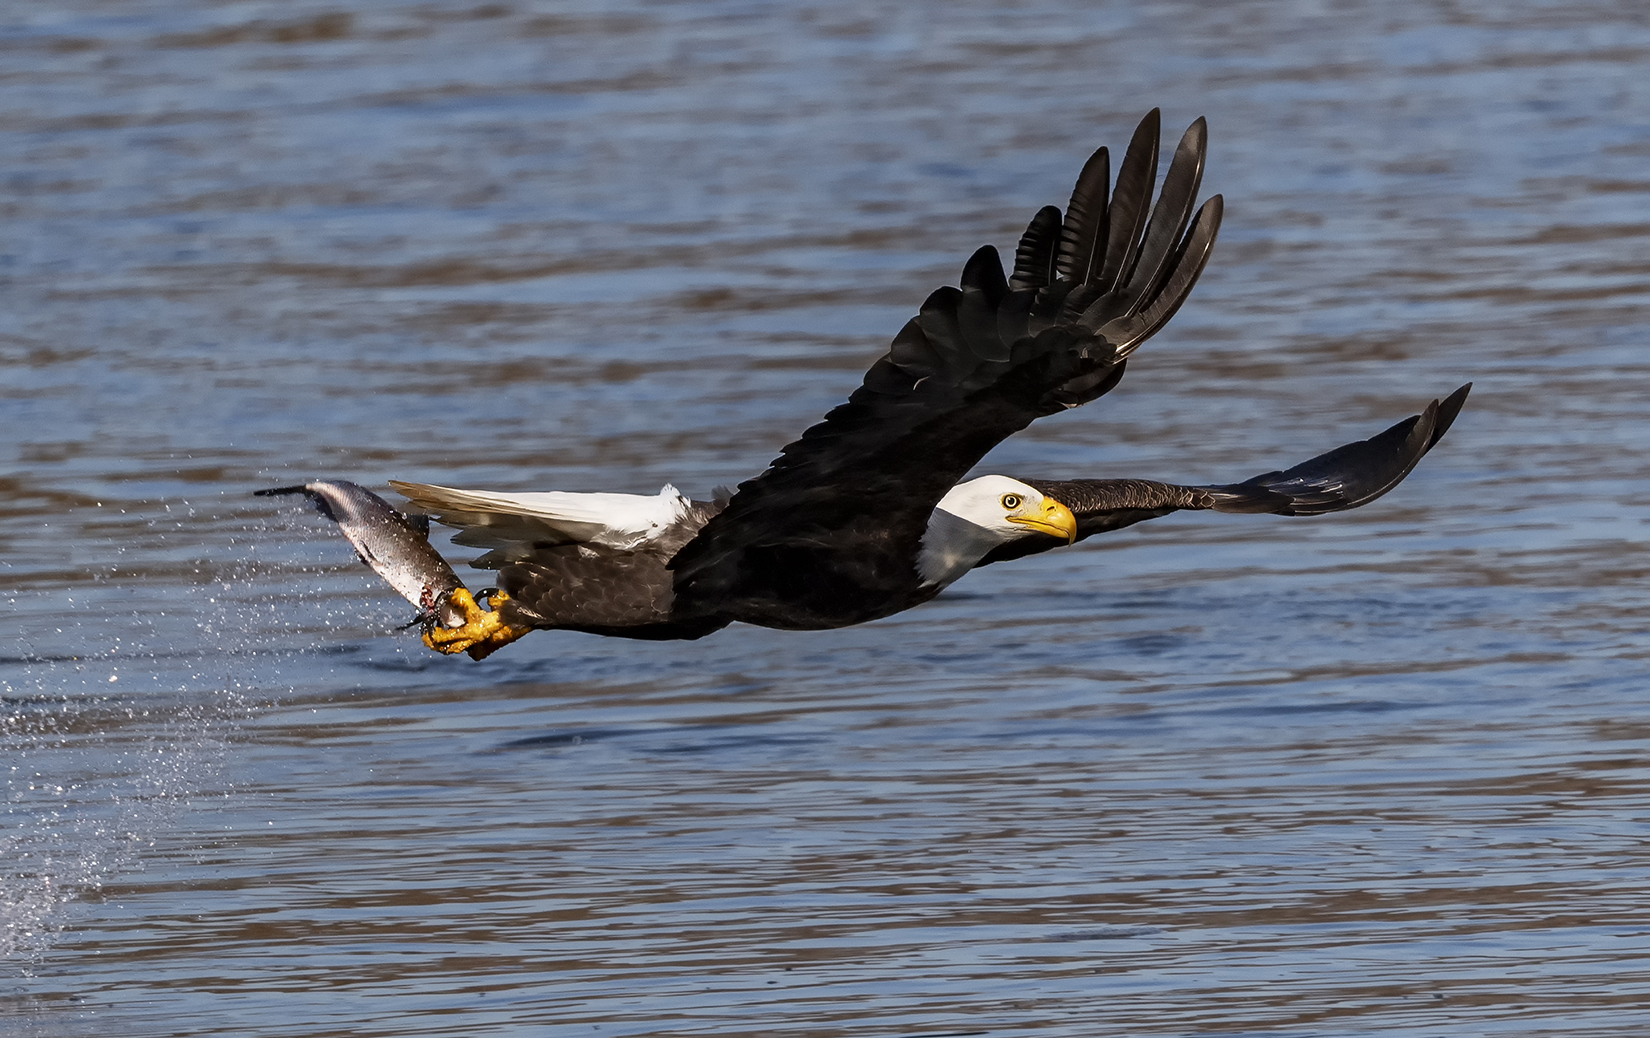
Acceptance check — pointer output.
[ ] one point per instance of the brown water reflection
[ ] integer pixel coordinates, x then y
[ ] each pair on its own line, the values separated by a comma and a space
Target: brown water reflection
1376, 774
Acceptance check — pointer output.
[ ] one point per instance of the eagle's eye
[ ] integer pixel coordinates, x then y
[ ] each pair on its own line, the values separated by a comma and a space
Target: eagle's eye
1011, 501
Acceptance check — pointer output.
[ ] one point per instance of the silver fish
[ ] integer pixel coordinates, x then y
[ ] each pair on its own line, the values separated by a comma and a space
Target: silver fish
395, 545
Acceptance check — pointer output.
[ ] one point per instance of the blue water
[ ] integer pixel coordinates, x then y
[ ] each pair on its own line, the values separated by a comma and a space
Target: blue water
1378, 773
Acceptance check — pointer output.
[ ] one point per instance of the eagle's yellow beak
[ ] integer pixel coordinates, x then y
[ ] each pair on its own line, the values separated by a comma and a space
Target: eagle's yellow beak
1055, 520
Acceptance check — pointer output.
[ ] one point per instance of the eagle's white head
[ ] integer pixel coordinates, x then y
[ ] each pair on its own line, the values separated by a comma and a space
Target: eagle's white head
977, 516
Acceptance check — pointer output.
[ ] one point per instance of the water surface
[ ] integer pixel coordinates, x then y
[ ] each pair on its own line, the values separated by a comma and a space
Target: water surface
1378, 773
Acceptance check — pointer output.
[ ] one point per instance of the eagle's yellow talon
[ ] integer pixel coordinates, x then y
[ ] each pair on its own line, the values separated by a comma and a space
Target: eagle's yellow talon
482, 633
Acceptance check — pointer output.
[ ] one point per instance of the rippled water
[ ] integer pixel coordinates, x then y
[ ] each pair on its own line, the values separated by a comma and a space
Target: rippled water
1379, 773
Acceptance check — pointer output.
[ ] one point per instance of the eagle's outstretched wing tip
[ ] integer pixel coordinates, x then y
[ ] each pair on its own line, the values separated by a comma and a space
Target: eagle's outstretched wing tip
1347, 477
1448, 408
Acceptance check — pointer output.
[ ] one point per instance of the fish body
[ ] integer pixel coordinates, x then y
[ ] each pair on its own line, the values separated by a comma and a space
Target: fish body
395, 545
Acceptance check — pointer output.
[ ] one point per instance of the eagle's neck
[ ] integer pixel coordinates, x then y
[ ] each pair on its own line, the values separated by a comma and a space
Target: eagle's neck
951, 546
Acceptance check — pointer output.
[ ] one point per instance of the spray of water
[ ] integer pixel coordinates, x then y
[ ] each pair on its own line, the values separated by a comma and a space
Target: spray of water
120, 699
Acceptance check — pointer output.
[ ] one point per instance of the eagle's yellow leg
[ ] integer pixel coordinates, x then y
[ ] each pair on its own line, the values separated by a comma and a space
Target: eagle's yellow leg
482, 633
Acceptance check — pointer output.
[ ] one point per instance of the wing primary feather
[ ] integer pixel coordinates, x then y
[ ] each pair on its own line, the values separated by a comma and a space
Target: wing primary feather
1129, 202
1170, 216
983, 273
983, 289
1087, 219
1347, 477
1358, 473
1034, 258
1351, 475
1130, 331
1448, 408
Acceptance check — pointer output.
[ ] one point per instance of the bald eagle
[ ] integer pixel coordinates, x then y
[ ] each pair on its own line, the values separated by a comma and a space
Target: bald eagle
868, 513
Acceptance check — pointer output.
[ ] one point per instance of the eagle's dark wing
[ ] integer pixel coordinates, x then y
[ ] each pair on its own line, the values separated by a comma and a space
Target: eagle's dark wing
1346, 477
828, 534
